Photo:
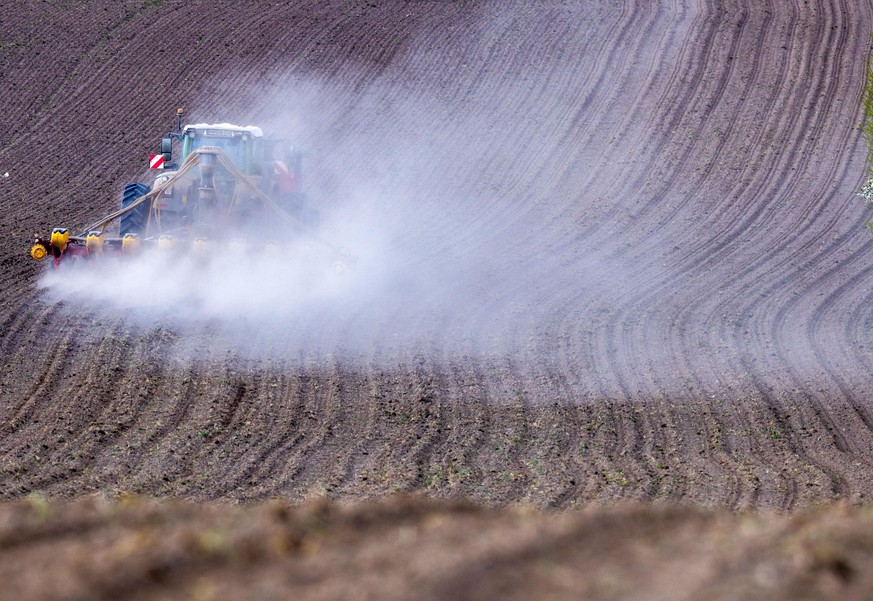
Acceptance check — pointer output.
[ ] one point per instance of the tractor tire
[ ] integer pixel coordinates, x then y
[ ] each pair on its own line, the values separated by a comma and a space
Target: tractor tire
134, 221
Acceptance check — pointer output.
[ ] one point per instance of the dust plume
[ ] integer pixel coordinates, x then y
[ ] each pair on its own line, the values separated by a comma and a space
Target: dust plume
425, 199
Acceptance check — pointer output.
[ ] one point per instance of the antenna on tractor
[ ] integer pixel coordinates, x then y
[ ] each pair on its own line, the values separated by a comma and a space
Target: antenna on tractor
179, 113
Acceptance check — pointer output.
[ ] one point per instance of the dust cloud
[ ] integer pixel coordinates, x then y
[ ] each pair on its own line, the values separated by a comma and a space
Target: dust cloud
431, 261
454, 232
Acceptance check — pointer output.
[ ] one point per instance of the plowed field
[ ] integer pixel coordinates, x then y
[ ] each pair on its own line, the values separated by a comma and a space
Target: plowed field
611, 251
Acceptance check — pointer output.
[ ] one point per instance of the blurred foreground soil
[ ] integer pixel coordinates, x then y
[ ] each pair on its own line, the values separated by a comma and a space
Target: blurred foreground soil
409, 547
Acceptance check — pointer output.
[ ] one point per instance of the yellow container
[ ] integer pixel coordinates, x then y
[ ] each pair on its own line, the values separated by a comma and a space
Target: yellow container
94, 242
60, 237
165, 243
129, 244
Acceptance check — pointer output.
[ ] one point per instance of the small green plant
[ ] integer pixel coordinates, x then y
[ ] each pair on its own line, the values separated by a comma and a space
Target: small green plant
866, 191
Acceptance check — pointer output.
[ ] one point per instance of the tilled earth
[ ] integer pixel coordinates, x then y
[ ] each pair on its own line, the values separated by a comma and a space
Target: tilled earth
641, 274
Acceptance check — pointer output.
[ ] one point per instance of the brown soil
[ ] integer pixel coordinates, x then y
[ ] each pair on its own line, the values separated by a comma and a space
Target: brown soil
664, 293
419, 549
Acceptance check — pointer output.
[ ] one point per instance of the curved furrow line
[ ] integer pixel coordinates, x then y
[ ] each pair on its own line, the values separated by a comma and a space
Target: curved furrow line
80, 75
824, 352
609, 70
572, 419
211, 443
629, 475
720, 90
821, 468
348, 73
824, 349
303, 468
701, 46
788, 267
286, 461
168, 409
127, 400
803, 422
554, 453
646, 439
76, 440
509, 439
856, 328
430, 46
612, 352
586, 418
728, 234
262, 454
16, 326
133, 399
528, 173
782, 346
752, 368
478, 455
720, 451
696, 439
427, 410
763, 300
359, 463
680, 458
814, 120
605, 435
724, 135
782, 454
712, 101
38, 393
350, 435
76, 64
574, 471
445, 461
19, 444
701, 455
636, 455
615, 155
381, 468
257, 436
749, 465
839, 286
472, 394
821, 417
822, 420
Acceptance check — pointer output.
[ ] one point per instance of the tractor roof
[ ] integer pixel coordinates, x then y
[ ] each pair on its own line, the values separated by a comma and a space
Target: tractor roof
252, 129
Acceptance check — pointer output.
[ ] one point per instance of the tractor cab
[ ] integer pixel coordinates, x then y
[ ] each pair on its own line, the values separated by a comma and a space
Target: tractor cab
238, 143
269, 165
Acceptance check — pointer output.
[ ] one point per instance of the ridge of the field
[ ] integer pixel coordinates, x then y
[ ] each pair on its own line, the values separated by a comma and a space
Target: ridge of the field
649, 274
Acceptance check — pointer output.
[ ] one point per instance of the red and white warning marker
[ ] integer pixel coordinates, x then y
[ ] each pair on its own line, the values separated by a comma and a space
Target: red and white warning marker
156, 161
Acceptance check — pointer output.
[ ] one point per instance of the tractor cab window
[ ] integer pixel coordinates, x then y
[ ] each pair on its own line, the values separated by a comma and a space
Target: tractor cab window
235, 145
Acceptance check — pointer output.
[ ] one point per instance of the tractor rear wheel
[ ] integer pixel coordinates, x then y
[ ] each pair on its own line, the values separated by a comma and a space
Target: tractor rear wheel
135, 220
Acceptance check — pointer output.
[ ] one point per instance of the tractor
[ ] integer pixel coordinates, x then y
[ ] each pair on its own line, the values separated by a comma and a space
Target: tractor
230, 183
